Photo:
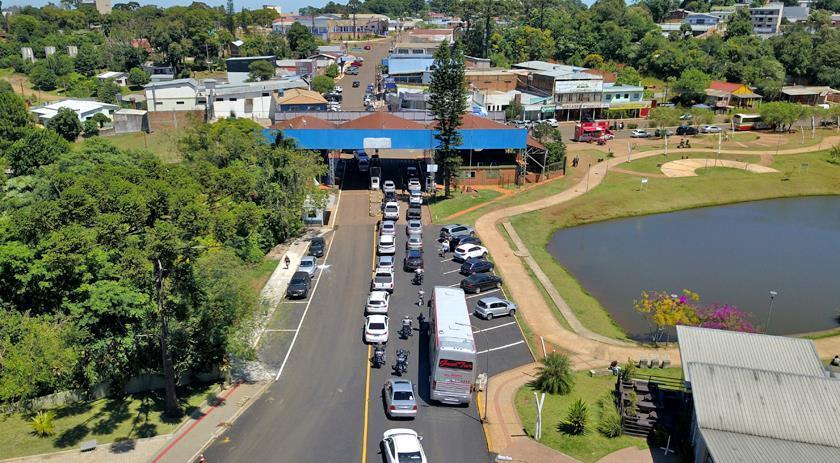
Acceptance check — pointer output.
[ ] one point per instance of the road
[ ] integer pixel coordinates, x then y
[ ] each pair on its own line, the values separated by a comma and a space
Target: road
315, 411
353, 98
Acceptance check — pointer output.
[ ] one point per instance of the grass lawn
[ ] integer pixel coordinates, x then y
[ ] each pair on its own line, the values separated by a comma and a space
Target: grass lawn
22, 86
106, 420
619, 196
260, 272
163, 143
650, 165
592, 445
460, 201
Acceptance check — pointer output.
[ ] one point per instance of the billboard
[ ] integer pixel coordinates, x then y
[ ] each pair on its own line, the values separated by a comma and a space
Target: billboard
578, 86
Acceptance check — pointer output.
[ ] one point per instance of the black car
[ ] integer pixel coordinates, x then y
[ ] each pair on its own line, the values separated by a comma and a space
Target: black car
389, 197
413, 260
478, 282
317, 247
476, 265
456, 241
413, 212
355, 84
686, 130
299, 285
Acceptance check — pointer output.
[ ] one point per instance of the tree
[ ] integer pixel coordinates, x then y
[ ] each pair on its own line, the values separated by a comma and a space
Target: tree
90, 128
555, 375
739, 24
725, 317
323, 84
663, 116
138, 77
514, 111
659, 8
42, 77
88, 60
627, 75
692, 86
38, 147
260, 70
667, 310
332, 71
14, 118
794, 50
66, 123
107, 91
300, 40
447, 102
577, 416
780, 114
100, 119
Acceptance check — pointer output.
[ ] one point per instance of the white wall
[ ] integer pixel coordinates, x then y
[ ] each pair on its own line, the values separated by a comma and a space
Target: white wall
261, 107
172, 99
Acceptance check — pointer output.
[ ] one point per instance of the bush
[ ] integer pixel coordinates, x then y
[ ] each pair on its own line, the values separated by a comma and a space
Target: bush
43, 424
628, 370
555, 376
90, 128
609, 421
576, 418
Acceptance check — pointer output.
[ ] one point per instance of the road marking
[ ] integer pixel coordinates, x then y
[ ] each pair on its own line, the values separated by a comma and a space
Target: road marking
296, 302
456, 284
483, 293
452, 271
275, 330
500, 347
305, 311
447, 260
367, 372
494, 327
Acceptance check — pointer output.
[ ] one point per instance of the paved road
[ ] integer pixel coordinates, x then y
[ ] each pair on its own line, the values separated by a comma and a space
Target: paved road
316, 410
353, 98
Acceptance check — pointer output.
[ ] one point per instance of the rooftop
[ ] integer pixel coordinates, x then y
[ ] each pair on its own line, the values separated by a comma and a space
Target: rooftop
381, 120
110, 75
303, 122
300, 96
794, 90
397, 66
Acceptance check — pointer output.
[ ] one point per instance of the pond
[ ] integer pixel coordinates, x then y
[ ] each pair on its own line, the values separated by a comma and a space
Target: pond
733, 254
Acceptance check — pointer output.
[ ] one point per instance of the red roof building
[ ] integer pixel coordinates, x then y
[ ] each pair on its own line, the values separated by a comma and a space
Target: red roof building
381, 120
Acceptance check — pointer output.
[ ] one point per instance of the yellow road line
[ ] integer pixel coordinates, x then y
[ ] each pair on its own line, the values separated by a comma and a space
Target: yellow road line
367, 369
483, 423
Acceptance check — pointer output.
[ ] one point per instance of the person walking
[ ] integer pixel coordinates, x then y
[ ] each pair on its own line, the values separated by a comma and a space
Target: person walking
287, 261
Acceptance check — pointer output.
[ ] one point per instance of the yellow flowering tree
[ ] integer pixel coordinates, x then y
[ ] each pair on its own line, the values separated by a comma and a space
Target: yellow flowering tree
667, 310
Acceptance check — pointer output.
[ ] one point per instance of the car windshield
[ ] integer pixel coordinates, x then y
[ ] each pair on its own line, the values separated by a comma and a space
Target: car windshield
415, 253
391, 208
307, 263
409, 457
298, 281
382, 278
375, 302
403, 395
377, 326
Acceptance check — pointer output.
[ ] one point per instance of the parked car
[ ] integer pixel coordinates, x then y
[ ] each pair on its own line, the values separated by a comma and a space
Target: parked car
317, 247
686, 130
456, 241
356, 64
367, 47
388, 227
710, 129
414, 212
355, 83
391, 211
308, 264
414, 227
465, 251
376, 329
414, 185
383, 280
399, 399
389, 197
478, 282
389, 186
589, 138
414, 242
385, 262
639, 133
456, 229
663, 132
387, 245
402, 445
377, 302
415, 198
338, 89
489, 307
686, 117
550, 121
476, 265
413, 260
299, 285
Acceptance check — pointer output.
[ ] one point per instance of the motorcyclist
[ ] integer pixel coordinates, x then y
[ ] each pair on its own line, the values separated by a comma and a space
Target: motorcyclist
378, 356
418, 276
406, 327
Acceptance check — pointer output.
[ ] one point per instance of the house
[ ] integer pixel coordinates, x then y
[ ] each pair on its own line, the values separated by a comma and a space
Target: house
499, 79
758, 397
335, 50
282, 24
496, 100
84, 109
472, 62
120, 78
286, 67
239, 67
173, 95
415, 48
251, 100
726, 95
767, 19
159, 73
796, 14
235, 46
296, 100
344, 27
410, 69
628, 99
811, 96
430, 35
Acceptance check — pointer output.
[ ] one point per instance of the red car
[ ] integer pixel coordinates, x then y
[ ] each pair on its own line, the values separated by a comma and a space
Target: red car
367, 47
357, 64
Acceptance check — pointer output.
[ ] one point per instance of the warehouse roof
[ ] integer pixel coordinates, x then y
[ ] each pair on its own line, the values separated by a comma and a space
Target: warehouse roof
304, 122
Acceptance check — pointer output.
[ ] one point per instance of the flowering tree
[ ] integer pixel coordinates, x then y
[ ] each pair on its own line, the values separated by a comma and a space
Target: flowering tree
663, 309
725, 317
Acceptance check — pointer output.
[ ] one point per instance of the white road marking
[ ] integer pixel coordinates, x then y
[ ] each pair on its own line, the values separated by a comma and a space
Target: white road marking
272, 330
452, 271
295, 302
456, 284
483, 293
447, 260
494, 327
500, 347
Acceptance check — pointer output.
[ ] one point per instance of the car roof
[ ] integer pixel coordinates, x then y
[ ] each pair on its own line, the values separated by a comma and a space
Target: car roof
386, 238
468, 246
318, 239
415, 253
378, 295
309, 259
491, 299
386, 259
415, 222
377, 318
300, 275
389, 224
382, 270
401, 384
415, 238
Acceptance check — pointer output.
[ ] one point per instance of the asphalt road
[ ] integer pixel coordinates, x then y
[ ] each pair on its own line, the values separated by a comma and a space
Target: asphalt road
315, 411
353, 98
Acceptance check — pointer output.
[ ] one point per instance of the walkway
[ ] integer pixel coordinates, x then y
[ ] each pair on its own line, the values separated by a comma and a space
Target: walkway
688, 167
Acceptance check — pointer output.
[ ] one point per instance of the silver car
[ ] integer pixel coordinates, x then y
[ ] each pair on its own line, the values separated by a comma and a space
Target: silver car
414, 242
399, 398
489, 307
387, 244
308, 264
388, 227
456, 229
385, 262
414, 227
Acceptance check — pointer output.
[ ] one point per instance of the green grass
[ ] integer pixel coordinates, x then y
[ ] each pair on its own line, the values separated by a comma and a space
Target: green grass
619, 196
592, 445
459, 201
163, 143
650, 165
259, 273
106, 420
533, 194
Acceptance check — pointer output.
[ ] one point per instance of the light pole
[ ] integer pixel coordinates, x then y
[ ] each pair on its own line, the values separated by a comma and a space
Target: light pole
773, 295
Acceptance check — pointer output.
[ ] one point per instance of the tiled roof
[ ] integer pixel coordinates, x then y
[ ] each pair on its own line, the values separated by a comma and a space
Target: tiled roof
473, 122
724, 86
381, 121
300, 96
304, 122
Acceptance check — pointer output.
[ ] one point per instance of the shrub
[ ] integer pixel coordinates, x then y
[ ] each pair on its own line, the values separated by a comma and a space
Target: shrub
576, 418
555, 376
628, 370
90, 128
43, 424
610, 422
632, 409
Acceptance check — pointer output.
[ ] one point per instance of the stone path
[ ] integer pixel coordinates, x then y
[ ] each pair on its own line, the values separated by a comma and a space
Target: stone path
688, 167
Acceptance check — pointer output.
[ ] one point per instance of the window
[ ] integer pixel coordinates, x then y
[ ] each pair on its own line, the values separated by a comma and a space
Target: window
471, 174
626, 96
179, 102
158, 103
218, 98
635, 96
266, 94
231, 99
609, 97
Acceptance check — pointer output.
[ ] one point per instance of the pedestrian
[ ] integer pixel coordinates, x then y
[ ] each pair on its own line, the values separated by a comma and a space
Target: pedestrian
835, 362
288, 261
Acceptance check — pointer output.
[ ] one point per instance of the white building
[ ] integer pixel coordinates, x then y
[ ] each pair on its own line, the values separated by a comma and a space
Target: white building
767, 19
174, 95
252, 100
120, 78
84, 109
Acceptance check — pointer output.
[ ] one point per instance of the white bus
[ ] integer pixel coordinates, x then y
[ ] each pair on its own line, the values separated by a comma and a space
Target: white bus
452, 353
742, 122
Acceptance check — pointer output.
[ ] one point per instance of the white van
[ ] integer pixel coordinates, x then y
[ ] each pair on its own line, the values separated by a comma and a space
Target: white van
374, 183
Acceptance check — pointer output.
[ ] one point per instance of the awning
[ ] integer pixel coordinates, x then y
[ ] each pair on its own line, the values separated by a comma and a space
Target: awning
630, 105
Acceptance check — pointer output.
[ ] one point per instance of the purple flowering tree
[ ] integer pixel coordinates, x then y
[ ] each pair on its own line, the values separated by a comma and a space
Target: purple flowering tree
725, 317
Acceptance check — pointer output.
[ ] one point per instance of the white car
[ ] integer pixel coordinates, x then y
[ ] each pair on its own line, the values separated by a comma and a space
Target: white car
414, 227
377, 302
389, 186
387, 245
383, 280
465, 251
550, 121
391, 211
376, 329
414, 185
338, 89
401, 445
639, 133
308, 264
385, 262
388, 227
414, 242
416, 198
710, 129
374, 183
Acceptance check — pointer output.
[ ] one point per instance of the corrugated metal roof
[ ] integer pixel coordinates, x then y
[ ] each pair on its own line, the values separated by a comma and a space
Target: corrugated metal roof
747, 350
767, 403
731, 447
398, 66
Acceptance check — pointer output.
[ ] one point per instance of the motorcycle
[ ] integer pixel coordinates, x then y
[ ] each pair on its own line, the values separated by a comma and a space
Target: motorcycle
418, 277
378, 358
401, 366
405, 330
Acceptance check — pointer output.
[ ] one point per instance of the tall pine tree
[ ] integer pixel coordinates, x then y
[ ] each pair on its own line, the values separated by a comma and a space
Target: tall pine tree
448, 101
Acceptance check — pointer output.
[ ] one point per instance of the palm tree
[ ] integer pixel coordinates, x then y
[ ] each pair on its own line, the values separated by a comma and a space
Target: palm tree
555, 376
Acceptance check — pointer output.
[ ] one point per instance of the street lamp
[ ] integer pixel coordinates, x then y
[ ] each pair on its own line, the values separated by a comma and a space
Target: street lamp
773, 295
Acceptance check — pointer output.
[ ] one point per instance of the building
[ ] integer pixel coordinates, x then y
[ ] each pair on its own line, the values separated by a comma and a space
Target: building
626, 99
759, 398
239, 67
131, 120
501, 80
120, 78
102, 6
430, 35
174, 95
767, 19
341, 27
84, 109
472, 62
532, 105
811, 96
235, 46
722, 96
412, 69
796, 14
297, 100
699, 23
251, 100
282, 24
415, 48
159, 73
